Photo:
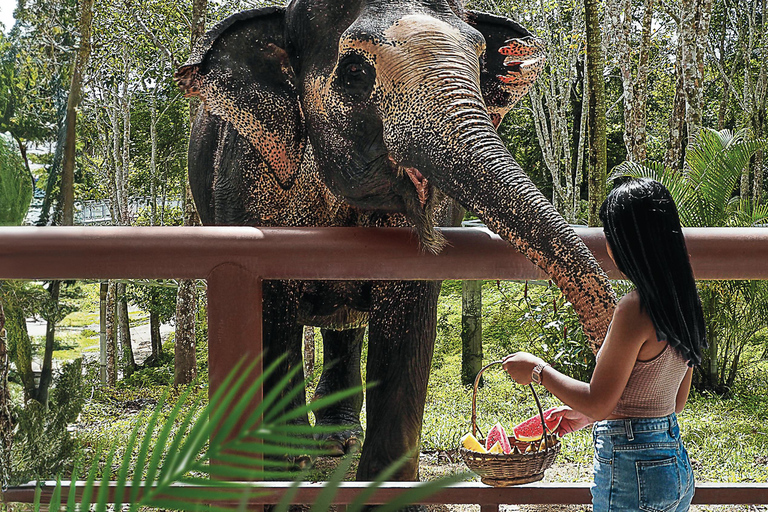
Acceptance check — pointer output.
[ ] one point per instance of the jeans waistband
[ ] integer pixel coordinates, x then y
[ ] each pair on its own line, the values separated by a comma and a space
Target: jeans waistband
631, 426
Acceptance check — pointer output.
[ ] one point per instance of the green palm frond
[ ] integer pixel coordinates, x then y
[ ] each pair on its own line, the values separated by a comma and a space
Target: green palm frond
228, 440
704, 191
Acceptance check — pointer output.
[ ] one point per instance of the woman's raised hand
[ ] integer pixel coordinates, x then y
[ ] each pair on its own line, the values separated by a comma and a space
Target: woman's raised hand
520, 365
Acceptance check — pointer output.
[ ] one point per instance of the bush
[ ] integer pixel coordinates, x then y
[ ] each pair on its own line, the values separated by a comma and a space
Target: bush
16, 184
42, 445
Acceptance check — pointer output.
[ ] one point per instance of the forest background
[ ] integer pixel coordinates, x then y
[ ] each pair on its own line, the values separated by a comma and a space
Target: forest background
675, 90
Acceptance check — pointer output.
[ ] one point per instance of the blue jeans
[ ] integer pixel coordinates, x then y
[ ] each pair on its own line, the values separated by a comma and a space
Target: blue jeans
641, 464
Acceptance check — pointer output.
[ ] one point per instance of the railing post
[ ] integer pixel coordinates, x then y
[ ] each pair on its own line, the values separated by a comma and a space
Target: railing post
234, 324
234, 321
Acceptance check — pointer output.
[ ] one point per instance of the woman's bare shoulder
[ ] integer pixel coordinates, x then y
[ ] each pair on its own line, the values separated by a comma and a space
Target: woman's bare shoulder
630, 311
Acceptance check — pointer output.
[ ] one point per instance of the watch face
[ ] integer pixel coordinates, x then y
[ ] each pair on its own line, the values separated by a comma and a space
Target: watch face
536, 377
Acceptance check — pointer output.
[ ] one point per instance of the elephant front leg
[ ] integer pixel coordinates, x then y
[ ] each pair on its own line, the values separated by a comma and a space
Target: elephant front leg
282, 336
401, 340
341, 370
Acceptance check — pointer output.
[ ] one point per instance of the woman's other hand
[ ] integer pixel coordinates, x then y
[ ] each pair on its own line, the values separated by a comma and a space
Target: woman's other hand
571, 420
520, 365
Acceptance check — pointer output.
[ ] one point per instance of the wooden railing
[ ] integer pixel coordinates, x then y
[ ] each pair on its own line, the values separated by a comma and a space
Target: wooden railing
235, 261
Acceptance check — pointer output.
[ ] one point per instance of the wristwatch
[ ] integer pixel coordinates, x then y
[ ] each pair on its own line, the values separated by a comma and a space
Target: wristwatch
536, 373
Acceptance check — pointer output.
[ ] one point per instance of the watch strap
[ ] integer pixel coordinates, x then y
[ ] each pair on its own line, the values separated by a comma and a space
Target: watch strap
536, 373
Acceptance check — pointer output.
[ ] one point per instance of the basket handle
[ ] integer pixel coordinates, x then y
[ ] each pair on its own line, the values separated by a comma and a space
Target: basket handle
476, 429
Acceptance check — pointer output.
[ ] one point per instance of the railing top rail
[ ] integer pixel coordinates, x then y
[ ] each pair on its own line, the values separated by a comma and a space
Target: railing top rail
326, 253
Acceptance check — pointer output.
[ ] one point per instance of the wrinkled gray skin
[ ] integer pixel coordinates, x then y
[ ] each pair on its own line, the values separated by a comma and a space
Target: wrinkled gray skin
373, 113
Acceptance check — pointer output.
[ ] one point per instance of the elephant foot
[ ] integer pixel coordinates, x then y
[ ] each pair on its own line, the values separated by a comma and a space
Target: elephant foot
340, 444
300, 463
348, 435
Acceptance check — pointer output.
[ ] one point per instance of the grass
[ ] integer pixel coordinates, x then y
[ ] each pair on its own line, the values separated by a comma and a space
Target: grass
727, 438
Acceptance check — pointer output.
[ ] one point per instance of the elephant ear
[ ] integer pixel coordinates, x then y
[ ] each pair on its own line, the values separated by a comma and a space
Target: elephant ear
242, 73
513, 60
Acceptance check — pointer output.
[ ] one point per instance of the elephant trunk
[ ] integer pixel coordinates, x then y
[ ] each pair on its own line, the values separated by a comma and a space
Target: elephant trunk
494, 187
442, 128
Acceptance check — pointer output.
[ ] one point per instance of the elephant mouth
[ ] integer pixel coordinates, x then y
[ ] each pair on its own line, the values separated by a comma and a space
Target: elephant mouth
421, 183
421, 200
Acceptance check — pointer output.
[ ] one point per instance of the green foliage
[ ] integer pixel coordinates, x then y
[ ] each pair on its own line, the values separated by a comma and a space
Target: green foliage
180, 448
516, 316
16, 184
724, 435
531, 316
735, 312
42, 445
704, 194
157, 297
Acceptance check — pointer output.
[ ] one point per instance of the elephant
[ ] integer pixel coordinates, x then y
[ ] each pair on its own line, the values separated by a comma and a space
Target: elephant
373, 113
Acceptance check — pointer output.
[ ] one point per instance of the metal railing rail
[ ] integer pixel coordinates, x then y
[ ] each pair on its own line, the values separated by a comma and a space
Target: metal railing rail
235, 261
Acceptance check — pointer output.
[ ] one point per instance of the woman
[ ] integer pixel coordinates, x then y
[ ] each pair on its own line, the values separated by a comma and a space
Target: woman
643, 372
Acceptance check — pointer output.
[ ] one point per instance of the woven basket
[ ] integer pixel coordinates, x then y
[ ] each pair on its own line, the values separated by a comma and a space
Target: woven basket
505, 469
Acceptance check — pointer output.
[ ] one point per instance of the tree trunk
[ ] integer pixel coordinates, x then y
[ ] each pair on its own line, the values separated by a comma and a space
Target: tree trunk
761, 104
694, 30
6, 420
125, 157
552, 106
309, 351
639, 119
153, 157
110, 335
186, 300
46, 372
471, 330
103, 287
124, 332
155, 340
596, 117
185, 367
68, 167
674, 157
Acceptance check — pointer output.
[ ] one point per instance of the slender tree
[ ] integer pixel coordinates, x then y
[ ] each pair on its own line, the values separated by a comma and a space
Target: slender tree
81, 61
694, 32
559, 130
596, 124
6, 420
471, 330
185, 361
632, 55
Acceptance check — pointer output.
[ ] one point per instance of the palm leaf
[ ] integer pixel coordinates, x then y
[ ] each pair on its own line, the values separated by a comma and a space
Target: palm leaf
212, 434
676, 182
704, 191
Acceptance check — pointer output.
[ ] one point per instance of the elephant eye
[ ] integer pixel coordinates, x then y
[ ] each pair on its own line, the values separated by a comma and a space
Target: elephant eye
356, 77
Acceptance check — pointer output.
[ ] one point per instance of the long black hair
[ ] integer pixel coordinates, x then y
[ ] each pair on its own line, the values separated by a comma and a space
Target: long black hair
643, 230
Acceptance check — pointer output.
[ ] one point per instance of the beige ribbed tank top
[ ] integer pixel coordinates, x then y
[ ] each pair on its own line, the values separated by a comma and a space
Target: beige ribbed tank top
651, 391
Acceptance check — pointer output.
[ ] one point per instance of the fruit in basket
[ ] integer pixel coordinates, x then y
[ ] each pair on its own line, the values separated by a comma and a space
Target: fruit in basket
498, 435
470, 443
496, 448
530, 429
551, 441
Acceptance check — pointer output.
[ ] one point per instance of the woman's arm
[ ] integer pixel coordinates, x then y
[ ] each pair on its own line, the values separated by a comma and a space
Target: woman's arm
631, 327
682, 391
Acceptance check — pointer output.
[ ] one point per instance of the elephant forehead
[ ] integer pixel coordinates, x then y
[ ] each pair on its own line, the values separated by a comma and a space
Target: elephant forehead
413, 25
418, 36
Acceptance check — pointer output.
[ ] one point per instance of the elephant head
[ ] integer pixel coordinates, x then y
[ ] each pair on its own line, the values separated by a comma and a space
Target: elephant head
393, 106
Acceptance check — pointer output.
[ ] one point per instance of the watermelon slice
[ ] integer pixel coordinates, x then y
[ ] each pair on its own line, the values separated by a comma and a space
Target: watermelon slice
498, 435
530, 429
